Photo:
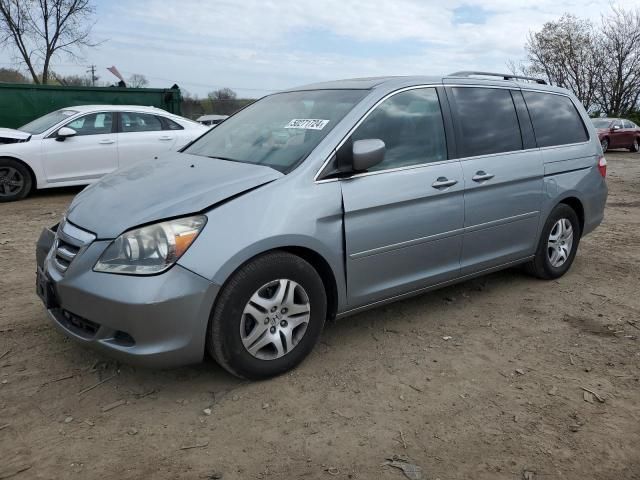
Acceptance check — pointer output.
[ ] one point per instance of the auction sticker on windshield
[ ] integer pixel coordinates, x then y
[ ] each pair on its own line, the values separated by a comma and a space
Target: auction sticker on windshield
307, 123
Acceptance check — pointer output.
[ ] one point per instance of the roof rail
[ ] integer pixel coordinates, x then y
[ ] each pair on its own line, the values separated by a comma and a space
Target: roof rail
505, 76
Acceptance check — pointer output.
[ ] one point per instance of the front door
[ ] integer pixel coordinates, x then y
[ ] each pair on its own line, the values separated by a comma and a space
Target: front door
403, 219
87, 156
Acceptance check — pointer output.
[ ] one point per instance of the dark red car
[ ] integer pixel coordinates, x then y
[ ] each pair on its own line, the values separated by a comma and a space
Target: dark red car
617, 133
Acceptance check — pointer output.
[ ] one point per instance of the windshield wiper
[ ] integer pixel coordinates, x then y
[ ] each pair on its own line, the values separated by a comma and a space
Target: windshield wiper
241, 161
225, 158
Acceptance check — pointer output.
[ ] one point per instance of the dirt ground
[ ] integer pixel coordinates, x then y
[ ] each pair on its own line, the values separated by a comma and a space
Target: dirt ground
483, 380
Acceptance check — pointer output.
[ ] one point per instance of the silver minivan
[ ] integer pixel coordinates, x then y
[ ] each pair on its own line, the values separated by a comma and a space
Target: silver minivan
317, 203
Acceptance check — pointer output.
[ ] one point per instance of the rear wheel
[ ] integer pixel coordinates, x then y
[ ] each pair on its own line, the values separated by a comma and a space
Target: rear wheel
558, 244
268, 316
635, 147
605, 145
15, 180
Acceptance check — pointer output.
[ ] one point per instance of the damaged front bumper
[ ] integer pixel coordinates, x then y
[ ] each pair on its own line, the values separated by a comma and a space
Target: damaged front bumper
158, 320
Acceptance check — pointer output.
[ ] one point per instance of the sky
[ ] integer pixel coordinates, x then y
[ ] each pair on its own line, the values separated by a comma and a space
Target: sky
256, 47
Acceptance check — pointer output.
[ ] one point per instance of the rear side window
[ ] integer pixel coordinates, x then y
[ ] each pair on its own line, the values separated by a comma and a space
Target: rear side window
487, 121
555, 119
140, 122
171, 125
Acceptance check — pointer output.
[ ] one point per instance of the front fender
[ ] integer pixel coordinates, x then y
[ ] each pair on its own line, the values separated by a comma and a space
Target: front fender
279, 215
29, 154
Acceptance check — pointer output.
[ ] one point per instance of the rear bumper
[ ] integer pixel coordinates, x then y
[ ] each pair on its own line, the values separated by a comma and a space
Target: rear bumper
156, 321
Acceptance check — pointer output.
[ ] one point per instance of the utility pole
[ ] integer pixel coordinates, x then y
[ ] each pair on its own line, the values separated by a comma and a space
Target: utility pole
92, 70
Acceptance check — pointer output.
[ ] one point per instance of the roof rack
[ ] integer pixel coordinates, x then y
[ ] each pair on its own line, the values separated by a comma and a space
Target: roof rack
505, 76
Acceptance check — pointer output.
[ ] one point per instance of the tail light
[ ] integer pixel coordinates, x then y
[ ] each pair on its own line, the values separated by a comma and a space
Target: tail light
602, 166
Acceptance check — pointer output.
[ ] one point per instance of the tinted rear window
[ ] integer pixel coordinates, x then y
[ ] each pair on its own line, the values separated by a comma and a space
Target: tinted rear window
555, 119
487, 121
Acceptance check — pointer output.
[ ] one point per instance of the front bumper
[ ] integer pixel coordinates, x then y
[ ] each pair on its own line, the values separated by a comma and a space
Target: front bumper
157, 321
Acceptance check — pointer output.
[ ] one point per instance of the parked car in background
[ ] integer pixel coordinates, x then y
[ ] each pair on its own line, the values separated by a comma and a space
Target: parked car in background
78, 145
212, 120
617, 133
321, 202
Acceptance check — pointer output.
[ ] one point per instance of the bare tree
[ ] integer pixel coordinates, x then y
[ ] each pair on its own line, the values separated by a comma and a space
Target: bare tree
137, 80
72, 80
11, 75
565, 53
619, 79
223, 101
192, 106
223, 94
38, 30
600, 65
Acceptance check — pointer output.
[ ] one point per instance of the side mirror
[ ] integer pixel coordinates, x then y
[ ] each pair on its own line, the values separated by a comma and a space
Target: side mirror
615, 127
367, 154
64, 133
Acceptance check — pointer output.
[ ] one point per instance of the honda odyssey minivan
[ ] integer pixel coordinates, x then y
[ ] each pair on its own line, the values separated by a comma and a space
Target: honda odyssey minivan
317, 203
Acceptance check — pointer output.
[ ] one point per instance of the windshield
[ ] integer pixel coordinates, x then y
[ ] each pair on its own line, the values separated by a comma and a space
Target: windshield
601, 122
43, 124
280, 130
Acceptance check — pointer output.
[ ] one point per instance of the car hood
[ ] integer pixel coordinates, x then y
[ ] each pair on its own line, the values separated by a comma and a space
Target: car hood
11, 134
171, 186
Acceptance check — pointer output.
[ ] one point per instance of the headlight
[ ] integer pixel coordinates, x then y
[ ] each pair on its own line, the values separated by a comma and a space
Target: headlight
151, 249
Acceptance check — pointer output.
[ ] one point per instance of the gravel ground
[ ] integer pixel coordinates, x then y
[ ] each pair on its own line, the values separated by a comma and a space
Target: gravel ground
483, 380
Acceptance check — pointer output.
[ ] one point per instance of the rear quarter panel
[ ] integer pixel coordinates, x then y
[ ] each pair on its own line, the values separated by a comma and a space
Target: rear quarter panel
570, 171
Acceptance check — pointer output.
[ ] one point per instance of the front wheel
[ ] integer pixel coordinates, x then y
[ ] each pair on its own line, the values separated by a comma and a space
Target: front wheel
635, 147
15, 180
268, 316
558, 244
605, 145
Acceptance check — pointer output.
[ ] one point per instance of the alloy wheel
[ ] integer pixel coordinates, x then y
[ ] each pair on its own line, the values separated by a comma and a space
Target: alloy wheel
560, 242
275, 319
11, 181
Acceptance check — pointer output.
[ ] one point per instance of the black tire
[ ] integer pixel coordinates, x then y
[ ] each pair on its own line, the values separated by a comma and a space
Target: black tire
635, 146
15, 172
541, 266
224, 343
605, 145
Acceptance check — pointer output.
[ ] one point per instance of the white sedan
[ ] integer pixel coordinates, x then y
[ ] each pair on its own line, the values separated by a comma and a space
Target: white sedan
78, 145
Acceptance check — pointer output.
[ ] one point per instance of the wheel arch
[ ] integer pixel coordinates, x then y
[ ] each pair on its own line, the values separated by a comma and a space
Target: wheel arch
32, 174
576, 204
320, 264
315, 259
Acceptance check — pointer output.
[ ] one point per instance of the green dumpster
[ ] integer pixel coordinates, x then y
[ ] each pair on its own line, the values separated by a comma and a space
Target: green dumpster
21, 103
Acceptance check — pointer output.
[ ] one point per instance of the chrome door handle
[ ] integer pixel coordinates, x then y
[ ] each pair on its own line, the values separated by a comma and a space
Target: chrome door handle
107, 142
165, 138
443, 182
481, 176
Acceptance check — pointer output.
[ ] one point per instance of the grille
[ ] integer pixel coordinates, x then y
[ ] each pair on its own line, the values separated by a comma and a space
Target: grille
69, 242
